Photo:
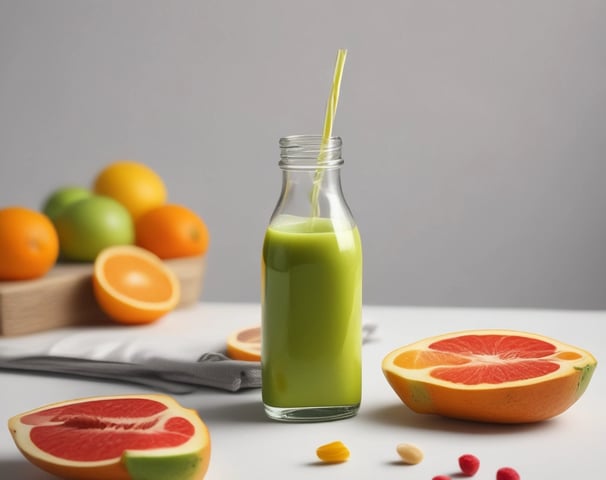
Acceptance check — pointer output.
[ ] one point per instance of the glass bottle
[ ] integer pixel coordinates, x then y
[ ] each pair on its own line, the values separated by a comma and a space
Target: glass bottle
311, 290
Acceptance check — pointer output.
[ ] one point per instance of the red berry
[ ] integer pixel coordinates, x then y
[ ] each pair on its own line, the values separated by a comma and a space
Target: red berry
469, 464
441, 477
507, 473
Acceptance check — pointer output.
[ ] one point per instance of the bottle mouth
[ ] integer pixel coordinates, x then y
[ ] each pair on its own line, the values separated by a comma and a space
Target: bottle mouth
310, 152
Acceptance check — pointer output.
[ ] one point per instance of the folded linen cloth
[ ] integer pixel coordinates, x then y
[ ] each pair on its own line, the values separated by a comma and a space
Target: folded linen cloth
164, 356
212, 370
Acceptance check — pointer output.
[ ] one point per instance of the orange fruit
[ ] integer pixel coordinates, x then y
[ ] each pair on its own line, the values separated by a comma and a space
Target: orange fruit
498, 376
133, 286
245, 344
133, 184
29, 245
172, 231
115, 437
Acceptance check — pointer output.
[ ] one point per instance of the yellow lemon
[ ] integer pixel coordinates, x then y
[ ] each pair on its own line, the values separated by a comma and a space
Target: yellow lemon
133, 184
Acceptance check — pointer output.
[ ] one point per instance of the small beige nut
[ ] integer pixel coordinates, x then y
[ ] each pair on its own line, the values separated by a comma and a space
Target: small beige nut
410, 453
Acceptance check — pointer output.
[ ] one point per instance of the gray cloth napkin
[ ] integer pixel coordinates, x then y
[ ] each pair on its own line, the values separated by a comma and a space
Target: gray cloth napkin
213, 370
163, 359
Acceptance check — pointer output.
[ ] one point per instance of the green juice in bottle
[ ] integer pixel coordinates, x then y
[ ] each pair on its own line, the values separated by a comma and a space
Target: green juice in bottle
311, 293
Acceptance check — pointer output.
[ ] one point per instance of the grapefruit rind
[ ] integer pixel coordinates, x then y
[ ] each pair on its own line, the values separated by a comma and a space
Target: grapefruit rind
171, 467
520, 401
245, 344
188, 461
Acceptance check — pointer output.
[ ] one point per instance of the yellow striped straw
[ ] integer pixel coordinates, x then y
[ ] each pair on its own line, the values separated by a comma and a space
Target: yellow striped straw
333, 100
331, 111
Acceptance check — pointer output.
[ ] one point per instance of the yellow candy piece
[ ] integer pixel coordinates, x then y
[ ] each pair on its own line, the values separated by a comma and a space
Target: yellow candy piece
334, 452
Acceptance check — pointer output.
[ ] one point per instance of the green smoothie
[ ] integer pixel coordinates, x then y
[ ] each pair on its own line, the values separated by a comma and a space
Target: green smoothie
312, 299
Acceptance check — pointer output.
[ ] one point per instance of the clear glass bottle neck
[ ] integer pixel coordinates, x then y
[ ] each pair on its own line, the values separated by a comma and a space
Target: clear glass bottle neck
310, 152
311, 185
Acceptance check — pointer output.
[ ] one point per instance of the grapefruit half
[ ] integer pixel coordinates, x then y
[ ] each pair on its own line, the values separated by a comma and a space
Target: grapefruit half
131, 437
245, 344
500, 376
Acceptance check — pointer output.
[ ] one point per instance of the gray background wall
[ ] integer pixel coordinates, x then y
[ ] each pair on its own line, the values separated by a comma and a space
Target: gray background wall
474, 131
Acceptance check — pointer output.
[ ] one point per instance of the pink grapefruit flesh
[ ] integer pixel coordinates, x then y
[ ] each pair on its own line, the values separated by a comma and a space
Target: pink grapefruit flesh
489, 375
123, 437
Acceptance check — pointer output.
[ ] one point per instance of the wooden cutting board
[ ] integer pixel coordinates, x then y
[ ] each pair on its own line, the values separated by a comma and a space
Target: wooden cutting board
64, 297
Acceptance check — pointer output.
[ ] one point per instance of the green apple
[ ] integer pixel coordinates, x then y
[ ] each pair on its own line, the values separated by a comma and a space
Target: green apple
58, 200
91, 224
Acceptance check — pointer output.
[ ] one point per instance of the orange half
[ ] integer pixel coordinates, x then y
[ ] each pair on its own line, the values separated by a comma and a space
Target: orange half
245, 344
500, 376
133, 286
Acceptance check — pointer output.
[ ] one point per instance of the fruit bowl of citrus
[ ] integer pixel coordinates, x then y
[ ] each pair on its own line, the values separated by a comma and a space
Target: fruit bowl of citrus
139, 255
496, 376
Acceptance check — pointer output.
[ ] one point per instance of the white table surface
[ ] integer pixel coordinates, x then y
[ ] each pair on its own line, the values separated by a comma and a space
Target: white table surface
246, 445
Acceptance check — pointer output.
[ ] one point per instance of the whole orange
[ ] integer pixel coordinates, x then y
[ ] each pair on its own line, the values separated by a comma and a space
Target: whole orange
133, 184
29, 245
172, 231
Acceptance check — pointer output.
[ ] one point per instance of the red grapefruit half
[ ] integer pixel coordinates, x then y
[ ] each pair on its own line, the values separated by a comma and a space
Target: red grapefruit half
127, 437
500, 376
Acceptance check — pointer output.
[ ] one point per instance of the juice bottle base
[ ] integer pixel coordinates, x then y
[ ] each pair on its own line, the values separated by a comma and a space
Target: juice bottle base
311, 414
